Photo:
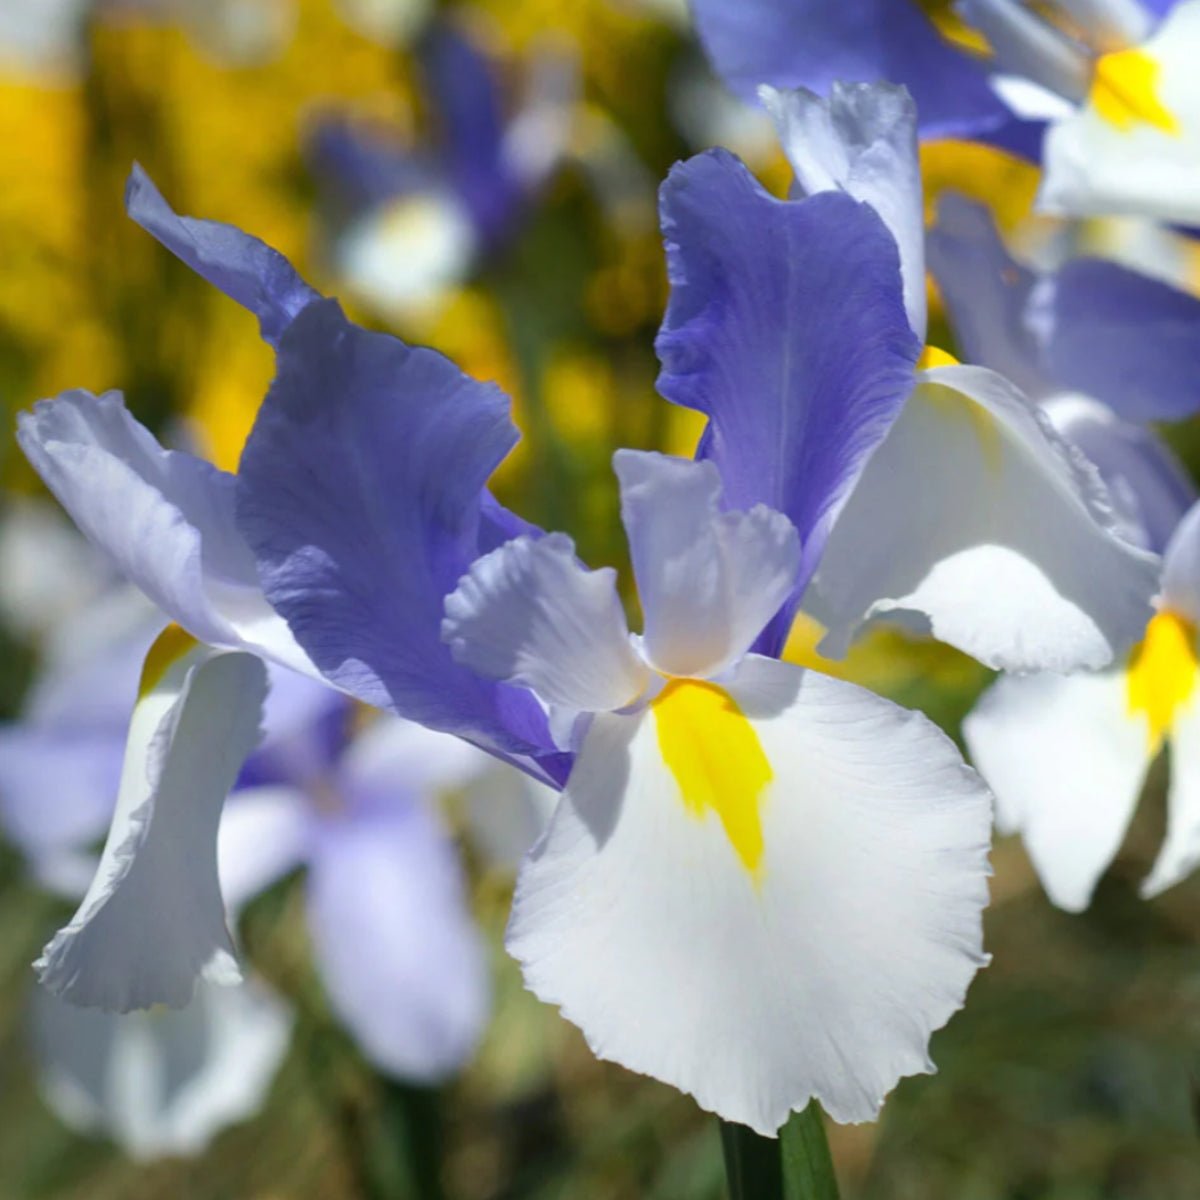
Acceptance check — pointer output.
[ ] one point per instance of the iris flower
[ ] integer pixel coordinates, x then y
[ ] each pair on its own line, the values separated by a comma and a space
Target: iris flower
973, 519
391, 933
409, 224
1112, 80
1067, 755
760, 884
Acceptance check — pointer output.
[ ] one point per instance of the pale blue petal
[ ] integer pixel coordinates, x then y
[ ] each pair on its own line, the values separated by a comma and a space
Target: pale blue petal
709, 581
530, 613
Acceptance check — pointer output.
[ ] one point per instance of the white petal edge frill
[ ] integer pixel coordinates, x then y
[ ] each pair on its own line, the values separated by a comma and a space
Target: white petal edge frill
824, 979
709, 581
164, 517
1066, 760
977, 515
153, 923
530, 613
861, 140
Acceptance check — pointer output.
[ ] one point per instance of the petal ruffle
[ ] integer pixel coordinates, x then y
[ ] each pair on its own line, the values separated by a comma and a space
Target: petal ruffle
709, 581
530, 613
786, 326
862, 140
152, 922
360, 489
165, 518
977, 516
1148, 485
823, 975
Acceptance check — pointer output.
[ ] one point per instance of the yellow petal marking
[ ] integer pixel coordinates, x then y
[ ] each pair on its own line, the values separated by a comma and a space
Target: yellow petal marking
717, 760
1125, 92
169, 647
1162, 673
935, 356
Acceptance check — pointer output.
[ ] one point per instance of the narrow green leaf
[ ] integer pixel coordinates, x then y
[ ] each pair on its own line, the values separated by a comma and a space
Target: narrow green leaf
807, 1164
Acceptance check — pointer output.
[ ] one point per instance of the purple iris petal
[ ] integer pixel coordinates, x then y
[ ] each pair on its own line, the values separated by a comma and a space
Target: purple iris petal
466, 99
786, 325
811, 43
244, 268
360, 490
1126, 339
395, 945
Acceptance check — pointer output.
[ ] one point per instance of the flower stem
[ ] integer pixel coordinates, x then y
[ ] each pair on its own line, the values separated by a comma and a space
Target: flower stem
796, 1166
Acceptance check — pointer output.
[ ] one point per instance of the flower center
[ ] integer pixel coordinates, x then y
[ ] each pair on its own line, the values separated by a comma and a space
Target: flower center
717, 760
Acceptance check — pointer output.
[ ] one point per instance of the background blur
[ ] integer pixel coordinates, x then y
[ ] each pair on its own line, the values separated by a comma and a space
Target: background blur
1073, 1073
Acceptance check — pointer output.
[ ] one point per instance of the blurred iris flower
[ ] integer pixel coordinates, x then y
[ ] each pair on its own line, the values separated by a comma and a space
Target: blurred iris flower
410, 224
1067, 755
391, 933
1112, 82
162, 1082
691, 911
1105, 350
43, 36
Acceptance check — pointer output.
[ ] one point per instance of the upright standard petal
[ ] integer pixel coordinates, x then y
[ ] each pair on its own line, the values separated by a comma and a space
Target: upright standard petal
709, 581
812, 43
862, 140
403, 964
758, 951
161, 1084
152, 922
530, 613
1065, 757
245, 269
165, 518
361, 491
976, 516
786, 326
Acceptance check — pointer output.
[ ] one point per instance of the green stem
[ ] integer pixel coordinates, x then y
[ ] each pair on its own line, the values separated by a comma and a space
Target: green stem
796, 1166
753, 1165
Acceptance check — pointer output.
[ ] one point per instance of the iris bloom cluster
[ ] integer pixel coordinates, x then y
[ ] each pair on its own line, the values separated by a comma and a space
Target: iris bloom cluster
1103, 92
760, 884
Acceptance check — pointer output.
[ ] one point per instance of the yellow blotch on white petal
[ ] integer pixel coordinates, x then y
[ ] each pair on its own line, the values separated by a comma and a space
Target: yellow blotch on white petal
169, 647
717, 760
1162, 673
1125, 92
